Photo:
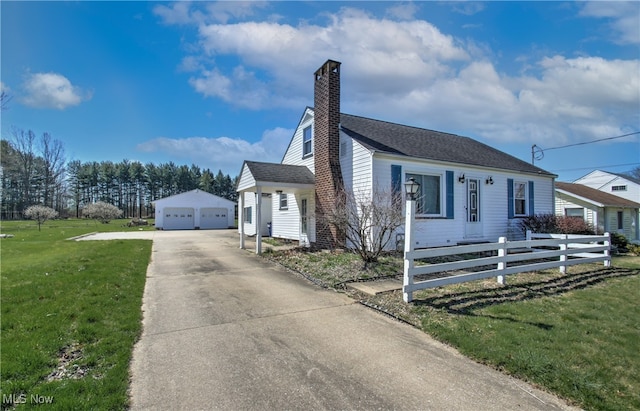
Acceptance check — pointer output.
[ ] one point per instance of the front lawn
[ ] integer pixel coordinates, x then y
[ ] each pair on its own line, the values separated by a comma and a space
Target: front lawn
70, 314
575, 334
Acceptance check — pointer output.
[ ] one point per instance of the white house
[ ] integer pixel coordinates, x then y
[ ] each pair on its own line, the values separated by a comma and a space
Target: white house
468, 191
604, 211
193, 210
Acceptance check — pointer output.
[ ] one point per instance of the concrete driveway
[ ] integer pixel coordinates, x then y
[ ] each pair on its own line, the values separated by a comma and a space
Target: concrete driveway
225, 329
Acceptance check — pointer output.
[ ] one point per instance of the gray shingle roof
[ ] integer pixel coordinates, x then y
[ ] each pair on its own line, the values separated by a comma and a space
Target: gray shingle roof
417, 142
596, 195
280, 173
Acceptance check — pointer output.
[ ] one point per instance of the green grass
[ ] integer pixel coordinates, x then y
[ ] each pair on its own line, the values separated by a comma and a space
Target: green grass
576, 335
65, 298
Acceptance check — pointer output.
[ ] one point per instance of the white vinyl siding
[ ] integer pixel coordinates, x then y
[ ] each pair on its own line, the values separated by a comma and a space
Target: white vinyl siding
441, 231
294, 154
286, 223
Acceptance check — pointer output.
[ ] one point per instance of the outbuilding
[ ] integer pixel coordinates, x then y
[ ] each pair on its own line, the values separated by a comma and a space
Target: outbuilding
194, 210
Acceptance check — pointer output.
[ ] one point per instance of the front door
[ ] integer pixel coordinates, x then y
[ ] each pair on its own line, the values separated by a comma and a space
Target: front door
473, 226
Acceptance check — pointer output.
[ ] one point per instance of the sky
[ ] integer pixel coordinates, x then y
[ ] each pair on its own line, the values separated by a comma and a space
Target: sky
217, 83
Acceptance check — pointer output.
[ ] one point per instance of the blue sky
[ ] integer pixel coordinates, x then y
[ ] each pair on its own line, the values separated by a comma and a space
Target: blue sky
215, 83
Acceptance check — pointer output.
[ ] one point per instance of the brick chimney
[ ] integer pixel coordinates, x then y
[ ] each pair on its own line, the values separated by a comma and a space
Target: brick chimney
326, 151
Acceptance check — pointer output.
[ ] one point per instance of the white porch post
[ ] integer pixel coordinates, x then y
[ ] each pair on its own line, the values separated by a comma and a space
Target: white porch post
241, 218
259, 220
407, 283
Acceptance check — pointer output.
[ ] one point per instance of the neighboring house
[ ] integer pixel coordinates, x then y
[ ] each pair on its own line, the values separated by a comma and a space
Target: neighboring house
194, 210
612, 183
604, 211
469, 191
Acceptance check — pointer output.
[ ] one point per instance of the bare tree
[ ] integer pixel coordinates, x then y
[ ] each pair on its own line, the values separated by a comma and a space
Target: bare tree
52, 151
101, 211
367, 220
4, 100
40, 213
25, 163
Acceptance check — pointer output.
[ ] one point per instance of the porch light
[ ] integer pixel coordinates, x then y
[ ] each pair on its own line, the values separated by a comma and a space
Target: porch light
461, 178
411, 188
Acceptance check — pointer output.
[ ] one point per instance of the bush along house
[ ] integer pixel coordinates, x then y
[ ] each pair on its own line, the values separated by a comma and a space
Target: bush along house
469, 192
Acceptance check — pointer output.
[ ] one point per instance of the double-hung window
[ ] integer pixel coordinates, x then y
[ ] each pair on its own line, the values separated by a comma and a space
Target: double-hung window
307, 142
429, 197
283, 201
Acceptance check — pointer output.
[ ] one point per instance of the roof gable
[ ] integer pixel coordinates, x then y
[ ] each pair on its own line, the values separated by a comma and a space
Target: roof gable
417, 142
280, 173
193, 195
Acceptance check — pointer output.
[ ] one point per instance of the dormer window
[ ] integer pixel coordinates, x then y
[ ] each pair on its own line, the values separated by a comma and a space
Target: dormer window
307, 142
618, 188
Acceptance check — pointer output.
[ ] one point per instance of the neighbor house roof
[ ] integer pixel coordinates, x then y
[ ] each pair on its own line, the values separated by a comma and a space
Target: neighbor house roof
280, 173
627, 177
417, 142
594, 196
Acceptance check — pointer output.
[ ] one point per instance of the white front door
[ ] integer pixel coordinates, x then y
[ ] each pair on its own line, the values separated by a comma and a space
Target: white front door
473, 226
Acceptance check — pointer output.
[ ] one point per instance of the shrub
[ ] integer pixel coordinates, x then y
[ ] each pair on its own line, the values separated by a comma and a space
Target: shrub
539, 223
573, 225
556, 224
619, 241
101, 211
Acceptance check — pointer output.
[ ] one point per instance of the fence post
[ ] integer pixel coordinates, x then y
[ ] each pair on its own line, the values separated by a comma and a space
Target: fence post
502, 252
407, 281
607, 252
528, 235
563, 256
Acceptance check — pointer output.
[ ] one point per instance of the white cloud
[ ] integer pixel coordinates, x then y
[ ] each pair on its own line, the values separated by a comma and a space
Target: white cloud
223, 152
468, 8
182, 12
51, 90
405, 11
411, 72
382, 56
624, 18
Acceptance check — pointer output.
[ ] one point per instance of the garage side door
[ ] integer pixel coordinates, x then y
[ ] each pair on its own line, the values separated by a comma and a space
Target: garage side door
178, 218
214, 218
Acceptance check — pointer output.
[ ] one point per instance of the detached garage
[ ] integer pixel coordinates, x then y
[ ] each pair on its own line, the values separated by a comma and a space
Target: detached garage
194, 210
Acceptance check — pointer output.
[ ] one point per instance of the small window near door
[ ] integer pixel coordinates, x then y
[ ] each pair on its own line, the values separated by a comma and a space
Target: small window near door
620, 220
304, 219
283, 201
247, 215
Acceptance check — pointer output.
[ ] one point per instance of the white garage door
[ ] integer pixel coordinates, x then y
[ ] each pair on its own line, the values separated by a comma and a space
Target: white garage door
178, 218
214, 218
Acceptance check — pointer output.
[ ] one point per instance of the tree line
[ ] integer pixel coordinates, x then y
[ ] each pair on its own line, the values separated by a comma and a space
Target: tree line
34, 171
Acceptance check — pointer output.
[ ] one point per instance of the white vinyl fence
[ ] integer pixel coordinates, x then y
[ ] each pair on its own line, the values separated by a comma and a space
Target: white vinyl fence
542, 251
